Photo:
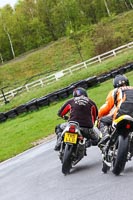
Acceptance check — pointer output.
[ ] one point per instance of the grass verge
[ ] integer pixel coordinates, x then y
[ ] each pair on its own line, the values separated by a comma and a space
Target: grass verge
20, 134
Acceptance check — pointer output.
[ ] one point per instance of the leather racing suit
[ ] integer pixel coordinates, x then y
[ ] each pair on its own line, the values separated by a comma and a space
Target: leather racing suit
118, 102
84, 111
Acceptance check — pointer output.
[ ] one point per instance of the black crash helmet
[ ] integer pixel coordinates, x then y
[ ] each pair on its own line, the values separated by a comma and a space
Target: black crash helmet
120, 80
79, 92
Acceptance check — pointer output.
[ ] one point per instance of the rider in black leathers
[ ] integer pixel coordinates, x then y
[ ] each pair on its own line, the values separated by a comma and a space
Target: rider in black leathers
82, 110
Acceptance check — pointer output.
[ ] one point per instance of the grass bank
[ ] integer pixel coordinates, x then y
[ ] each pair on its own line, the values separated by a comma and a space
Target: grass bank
19, 134
94, 70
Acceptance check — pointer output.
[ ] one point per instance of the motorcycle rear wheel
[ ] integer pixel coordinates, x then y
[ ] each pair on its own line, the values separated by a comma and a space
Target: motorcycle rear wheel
119, 161
67, 159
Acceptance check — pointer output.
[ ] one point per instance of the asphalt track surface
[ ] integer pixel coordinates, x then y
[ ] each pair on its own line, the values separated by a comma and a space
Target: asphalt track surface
36, 175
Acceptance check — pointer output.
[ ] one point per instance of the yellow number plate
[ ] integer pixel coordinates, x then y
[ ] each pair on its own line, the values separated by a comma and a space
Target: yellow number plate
70, 137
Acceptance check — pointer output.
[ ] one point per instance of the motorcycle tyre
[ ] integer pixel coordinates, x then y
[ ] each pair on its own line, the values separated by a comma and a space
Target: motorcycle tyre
121, 157
67, 159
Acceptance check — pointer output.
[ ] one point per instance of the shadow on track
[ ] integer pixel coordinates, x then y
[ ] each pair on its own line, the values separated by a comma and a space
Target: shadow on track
85, 167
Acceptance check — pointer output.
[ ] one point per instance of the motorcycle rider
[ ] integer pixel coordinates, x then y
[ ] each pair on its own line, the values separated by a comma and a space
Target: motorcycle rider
119, 101
82, 110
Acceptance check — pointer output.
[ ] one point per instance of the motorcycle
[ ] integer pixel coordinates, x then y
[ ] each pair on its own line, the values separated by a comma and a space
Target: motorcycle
119, 149
73, 146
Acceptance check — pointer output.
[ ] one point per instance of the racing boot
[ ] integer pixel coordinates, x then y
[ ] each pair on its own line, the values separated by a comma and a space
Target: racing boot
58, 132
58, 142
105, 138
88, 143
96, 136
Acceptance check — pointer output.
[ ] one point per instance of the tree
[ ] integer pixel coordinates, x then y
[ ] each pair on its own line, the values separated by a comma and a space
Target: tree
5, 16
131, 4
107, 8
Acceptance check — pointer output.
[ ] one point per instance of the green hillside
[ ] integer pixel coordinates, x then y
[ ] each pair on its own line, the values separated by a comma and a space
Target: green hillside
94, 70
92, 40
95, 39
27, 130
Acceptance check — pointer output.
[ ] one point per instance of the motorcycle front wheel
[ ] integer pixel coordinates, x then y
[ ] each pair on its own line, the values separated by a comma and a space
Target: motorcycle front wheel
120, 158
67, 159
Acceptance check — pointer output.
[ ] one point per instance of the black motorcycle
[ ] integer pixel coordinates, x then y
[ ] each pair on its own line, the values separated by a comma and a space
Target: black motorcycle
73, 147
119, 149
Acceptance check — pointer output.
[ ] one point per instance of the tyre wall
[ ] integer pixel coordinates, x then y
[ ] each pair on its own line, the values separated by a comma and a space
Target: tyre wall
35, 104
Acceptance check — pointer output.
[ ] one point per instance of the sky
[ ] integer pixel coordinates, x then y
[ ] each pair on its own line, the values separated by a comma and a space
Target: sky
4, 2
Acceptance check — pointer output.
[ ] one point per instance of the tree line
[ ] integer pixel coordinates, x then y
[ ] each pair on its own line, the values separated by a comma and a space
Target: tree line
35, 23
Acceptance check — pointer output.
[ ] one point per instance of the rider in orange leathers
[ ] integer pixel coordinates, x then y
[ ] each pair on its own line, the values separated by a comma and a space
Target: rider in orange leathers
118, 102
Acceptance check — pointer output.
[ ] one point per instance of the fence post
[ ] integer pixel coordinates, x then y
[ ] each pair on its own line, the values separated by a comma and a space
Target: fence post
70, 71
85, 65
114, 53
5, 100
41, 83
99, 59
12, 94
27, 88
